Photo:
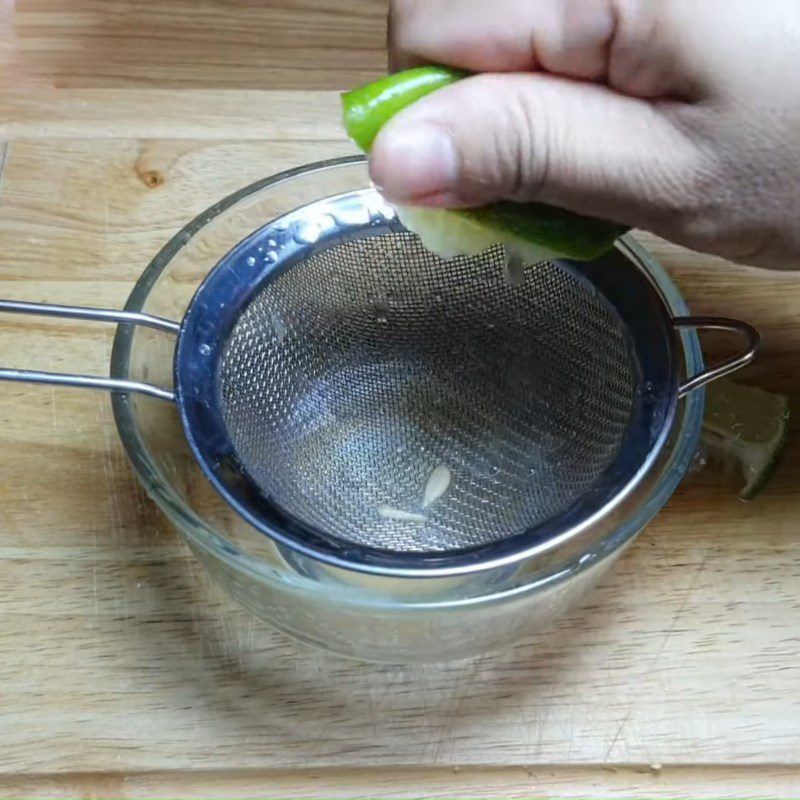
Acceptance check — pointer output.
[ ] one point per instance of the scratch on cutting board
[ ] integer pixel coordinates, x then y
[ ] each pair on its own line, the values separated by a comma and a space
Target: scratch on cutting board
94, 591
456, 701
5, 148
682, 608
115, 508
106, 457
53, 397
618, 732
667, 635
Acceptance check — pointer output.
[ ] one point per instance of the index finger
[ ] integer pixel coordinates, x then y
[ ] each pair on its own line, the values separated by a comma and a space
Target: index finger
565, 37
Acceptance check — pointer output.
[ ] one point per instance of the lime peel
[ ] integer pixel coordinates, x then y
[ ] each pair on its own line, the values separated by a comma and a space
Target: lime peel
368, 108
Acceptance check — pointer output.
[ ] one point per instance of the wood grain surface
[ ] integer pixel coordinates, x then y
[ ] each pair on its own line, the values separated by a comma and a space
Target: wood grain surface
123, 673
240, 44
119, 659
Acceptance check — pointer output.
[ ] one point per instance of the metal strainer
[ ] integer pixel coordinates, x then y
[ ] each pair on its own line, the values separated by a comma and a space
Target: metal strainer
378, 408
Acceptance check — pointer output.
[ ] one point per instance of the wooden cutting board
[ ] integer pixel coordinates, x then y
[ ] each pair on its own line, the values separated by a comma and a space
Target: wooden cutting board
124, 673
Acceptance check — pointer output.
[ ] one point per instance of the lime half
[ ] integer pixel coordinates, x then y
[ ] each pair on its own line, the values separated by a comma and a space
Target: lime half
746, 427
533, 231
368, 108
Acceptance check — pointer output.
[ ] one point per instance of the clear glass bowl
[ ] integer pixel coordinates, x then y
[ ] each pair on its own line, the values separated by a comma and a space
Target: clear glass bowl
367, 617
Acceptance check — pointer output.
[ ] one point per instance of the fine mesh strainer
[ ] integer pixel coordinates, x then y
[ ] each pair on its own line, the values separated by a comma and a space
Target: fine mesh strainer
372, 406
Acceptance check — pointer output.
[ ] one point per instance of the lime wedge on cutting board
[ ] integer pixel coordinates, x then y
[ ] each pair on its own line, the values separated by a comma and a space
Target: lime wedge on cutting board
746, 427
535, 231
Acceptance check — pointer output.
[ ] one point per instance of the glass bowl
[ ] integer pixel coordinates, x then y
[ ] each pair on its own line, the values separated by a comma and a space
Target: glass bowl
367, 617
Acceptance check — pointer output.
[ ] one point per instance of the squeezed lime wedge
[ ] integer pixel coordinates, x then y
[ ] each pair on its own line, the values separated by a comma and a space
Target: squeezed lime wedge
534, 231
368, 108
745, 427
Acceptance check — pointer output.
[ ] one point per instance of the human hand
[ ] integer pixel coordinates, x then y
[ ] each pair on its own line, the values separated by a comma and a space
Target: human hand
677, 116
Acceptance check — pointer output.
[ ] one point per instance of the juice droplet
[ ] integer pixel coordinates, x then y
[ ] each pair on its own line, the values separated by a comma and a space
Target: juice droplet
307, 233
514, 267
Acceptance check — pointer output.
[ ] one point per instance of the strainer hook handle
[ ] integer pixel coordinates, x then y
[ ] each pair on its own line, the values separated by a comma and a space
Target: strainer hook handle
93, 315
741, 359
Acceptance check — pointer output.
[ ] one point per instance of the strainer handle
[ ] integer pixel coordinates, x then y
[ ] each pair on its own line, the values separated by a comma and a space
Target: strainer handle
93, 315
732, 364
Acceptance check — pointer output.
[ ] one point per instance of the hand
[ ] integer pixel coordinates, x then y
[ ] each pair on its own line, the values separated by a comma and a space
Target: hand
678, 116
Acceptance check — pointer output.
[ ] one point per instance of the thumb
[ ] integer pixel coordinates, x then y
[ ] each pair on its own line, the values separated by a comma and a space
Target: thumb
535, 137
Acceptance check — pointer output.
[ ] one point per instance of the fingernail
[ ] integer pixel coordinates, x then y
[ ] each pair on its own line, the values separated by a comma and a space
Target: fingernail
414, 163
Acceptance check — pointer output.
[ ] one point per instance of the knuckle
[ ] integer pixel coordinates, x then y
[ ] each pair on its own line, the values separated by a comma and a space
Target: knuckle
531, 146
519, 147
400, 30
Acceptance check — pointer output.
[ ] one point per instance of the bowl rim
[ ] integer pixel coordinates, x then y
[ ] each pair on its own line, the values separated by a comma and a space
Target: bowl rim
200, 535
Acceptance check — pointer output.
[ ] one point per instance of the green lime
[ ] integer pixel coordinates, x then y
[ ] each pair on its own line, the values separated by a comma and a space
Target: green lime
746, 427
535, 231
368, 108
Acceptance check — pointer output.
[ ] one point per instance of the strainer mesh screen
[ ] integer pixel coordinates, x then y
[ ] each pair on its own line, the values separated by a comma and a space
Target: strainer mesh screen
349, 379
